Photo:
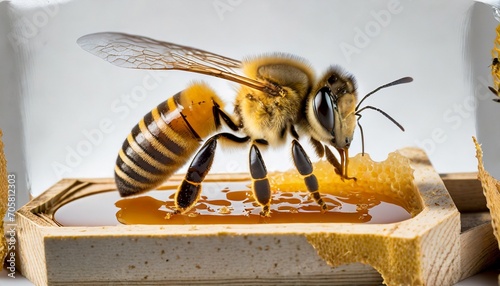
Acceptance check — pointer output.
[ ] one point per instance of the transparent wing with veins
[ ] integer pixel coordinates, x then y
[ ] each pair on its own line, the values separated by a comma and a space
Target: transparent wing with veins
137, 52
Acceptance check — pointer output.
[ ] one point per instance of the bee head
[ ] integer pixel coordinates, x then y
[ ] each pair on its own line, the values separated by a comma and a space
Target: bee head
331, 108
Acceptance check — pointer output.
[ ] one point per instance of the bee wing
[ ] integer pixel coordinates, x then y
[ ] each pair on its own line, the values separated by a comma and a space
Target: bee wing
137, 52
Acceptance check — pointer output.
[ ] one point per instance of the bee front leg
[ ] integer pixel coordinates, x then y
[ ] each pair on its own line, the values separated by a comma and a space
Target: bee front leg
324, 151
340, 167
330, 157
260, 184
189, 190
305, 168
344, 163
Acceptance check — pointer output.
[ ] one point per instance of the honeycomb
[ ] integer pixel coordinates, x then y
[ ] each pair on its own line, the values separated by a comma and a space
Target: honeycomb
392, 178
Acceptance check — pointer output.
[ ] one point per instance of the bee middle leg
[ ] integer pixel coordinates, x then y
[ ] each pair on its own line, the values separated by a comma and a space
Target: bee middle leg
305, 168
189, 190
219, 114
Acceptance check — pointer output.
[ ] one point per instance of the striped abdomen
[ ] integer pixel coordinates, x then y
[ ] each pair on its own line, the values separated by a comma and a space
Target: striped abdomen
165, 139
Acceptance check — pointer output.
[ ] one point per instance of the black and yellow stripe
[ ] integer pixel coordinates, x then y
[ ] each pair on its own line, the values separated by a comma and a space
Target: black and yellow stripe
165, 139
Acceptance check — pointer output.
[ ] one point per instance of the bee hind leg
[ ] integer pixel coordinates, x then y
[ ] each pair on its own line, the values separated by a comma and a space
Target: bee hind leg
305, 168
260, 184
189, 190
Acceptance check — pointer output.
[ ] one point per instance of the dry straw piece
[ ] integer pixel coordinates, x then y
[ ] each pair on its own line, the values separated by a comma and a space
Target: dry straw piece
3, 199
491, 190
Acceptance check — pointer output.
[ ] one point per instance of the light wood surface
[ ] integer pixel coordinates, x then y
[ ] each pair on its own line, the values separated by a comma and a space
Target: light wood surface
466, 191
439, 246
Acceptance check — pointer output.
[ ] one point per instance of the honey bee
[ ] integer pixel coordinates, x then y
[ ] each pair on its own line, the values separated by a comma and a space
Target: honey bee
495, 68
495, 65
279, 96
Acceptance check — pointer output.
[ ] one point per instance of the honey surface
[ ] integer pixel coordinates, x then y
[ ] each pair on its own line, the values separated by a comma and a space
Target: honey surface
384, 192
234, 204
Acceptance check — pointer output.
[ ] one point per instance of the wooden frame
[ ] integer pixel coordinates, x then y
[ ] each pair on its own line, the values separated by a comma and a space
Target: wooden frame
439, 246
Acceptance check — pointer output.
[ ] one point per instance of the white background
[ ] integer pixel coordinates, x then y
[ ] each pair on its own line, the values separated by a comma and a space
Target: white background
53, 93
63, 92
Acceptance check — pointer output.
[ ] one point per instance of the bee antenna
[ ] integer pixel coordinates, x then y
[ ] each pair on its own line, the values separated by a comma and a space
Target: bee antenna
399, 81
362, 135
358, 114
383, 113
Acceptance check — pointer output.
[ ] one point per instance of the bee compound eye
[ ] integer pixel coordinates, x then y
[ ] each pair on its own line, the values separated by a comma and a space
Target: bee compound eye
323, 108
